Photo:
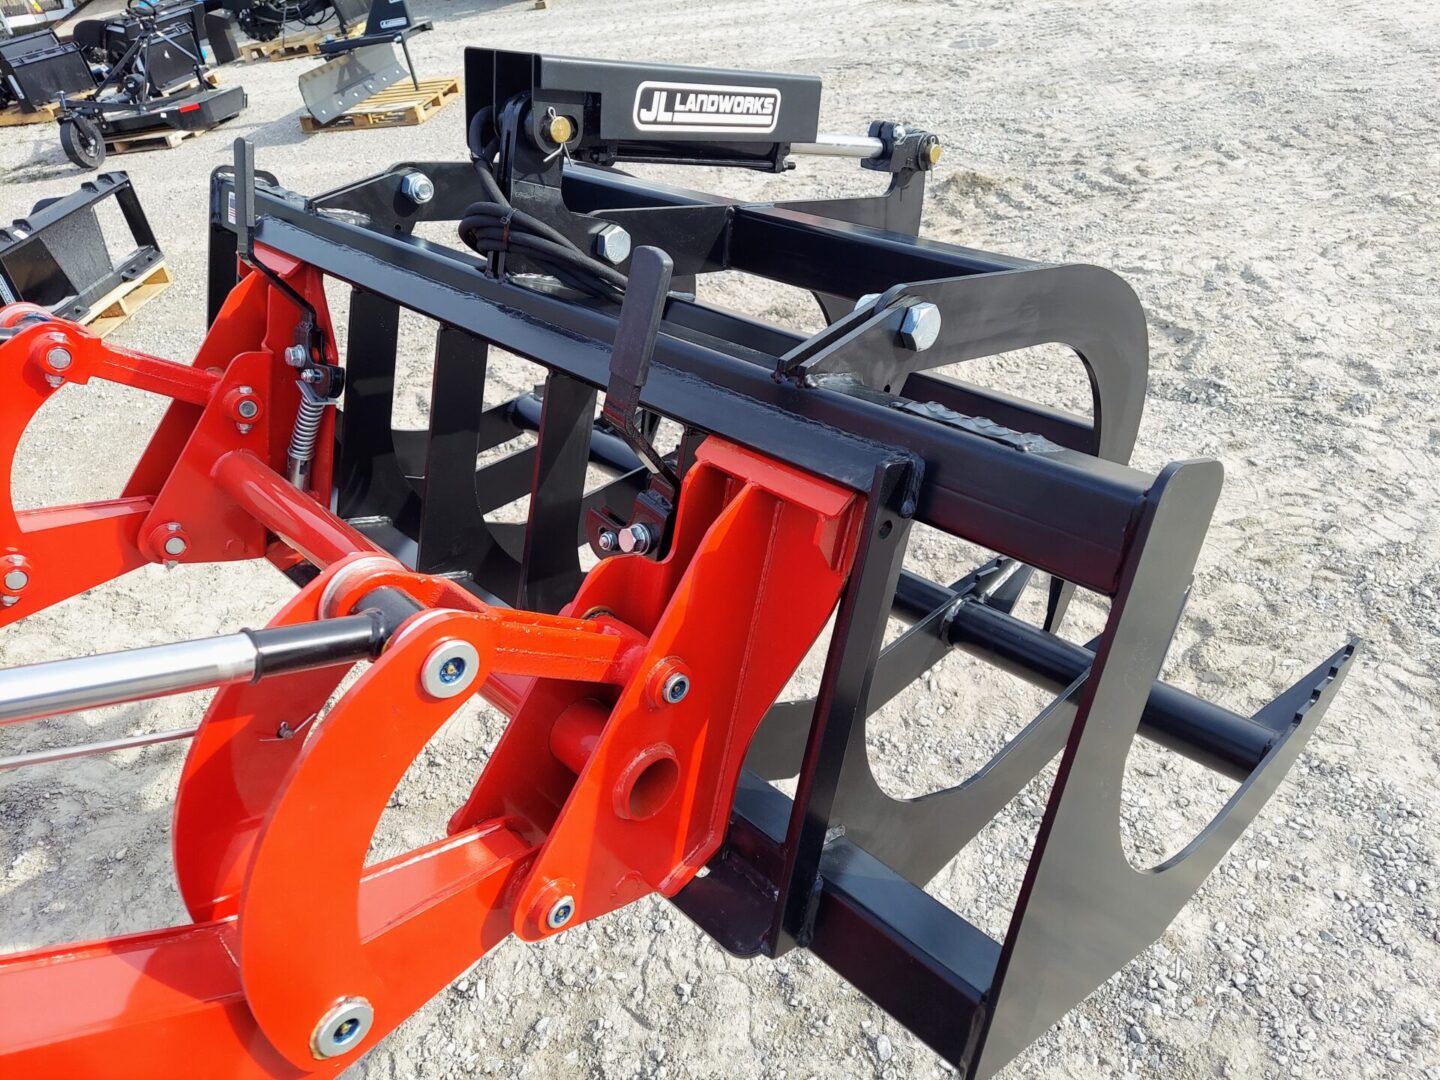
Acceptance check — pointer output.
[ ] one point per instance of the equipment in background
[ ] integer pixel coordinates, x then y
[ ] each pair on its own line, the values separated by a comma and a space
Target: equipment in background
38, 69
21, 16
222, 31
58, 257
106, 42
156, 81
265, 20
646, 738
362, 67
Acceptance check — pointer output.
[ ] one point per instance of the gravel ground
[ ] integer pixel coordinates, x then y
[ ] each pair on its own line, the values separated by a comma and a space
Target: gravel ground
1264, 176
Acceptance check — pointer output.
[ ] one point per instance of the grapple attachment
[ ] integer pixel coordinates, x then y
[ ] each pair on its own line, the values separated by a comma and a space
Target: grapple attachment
643, 694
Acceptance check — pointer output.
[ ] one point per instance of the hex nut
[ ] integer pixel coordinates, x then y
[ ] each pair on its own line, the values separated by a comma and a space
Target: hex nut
417, 187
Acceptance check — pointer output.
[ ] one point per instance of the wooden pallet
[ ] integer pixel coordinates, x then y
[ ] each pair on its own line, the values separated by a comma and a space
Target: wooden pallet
13, 117
289, 46
125, 299
400, 106
138, 143
46, 114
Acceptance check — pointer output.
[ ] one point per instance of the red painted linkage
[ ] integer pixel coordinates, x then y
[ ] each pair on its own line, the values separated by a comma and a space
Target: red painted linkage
630, 713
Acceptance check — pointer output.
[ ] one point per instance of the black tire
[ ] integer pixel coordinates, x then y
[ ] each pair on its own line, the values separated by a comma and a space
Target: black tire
83, 142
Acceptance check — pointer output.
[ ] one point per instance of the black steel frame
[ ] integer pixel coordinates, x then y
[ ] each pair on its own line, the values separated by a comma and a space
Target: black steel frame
840, 868
57, 256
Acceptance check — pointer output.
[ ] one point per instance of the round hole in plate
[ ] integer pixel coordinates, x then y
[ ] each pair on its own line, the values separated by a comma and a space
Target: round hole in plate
648, 784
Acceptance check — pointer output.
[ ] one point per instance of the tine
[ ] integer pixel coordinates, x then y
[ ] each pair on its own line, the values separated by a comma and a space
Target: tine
1291, 707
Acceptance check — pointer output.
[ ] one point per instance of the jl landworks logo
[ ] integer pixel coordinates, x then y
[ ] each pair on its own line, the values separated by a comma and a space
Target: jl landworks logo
664, 106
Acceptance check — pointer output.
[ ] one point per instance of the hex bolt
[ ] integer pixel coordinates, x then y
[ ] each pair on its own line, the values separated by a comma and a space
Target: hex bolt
417, 187
607, 540
636, 539
612, 243
297, 356
58, 358
450, 669
676, 688
560, 913
866, 300
342, 1028
920, 327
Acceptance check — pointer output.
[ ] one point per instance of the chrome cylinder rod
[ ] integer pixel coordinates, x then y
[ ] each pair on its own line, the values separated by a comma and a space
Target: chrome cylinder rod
87, 682
846, 146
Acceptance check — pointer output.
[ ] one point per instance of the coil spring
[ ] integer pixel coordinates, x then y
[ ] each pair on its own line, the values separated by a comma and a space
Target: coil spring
307, 428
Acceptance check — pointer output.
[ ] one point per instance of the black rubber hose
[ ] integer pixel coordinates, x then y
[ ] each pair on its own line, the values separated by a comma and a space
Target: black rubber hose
493, 226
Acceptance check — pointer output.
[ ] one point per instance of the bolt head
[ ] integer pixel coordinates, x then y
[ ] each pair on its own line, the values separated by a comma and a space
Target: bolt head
635, 539
676, 688
612, 243
297, 356
342, 1028
16, 579
920, 327
58, 358
417, 187
607, 540
560, 913
450, 669
866, 300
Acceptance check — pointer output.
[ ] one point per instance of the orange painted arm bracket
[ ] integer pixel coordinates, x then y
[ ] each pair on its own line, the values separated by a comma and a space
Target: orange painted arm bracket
630, 715
760, 556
